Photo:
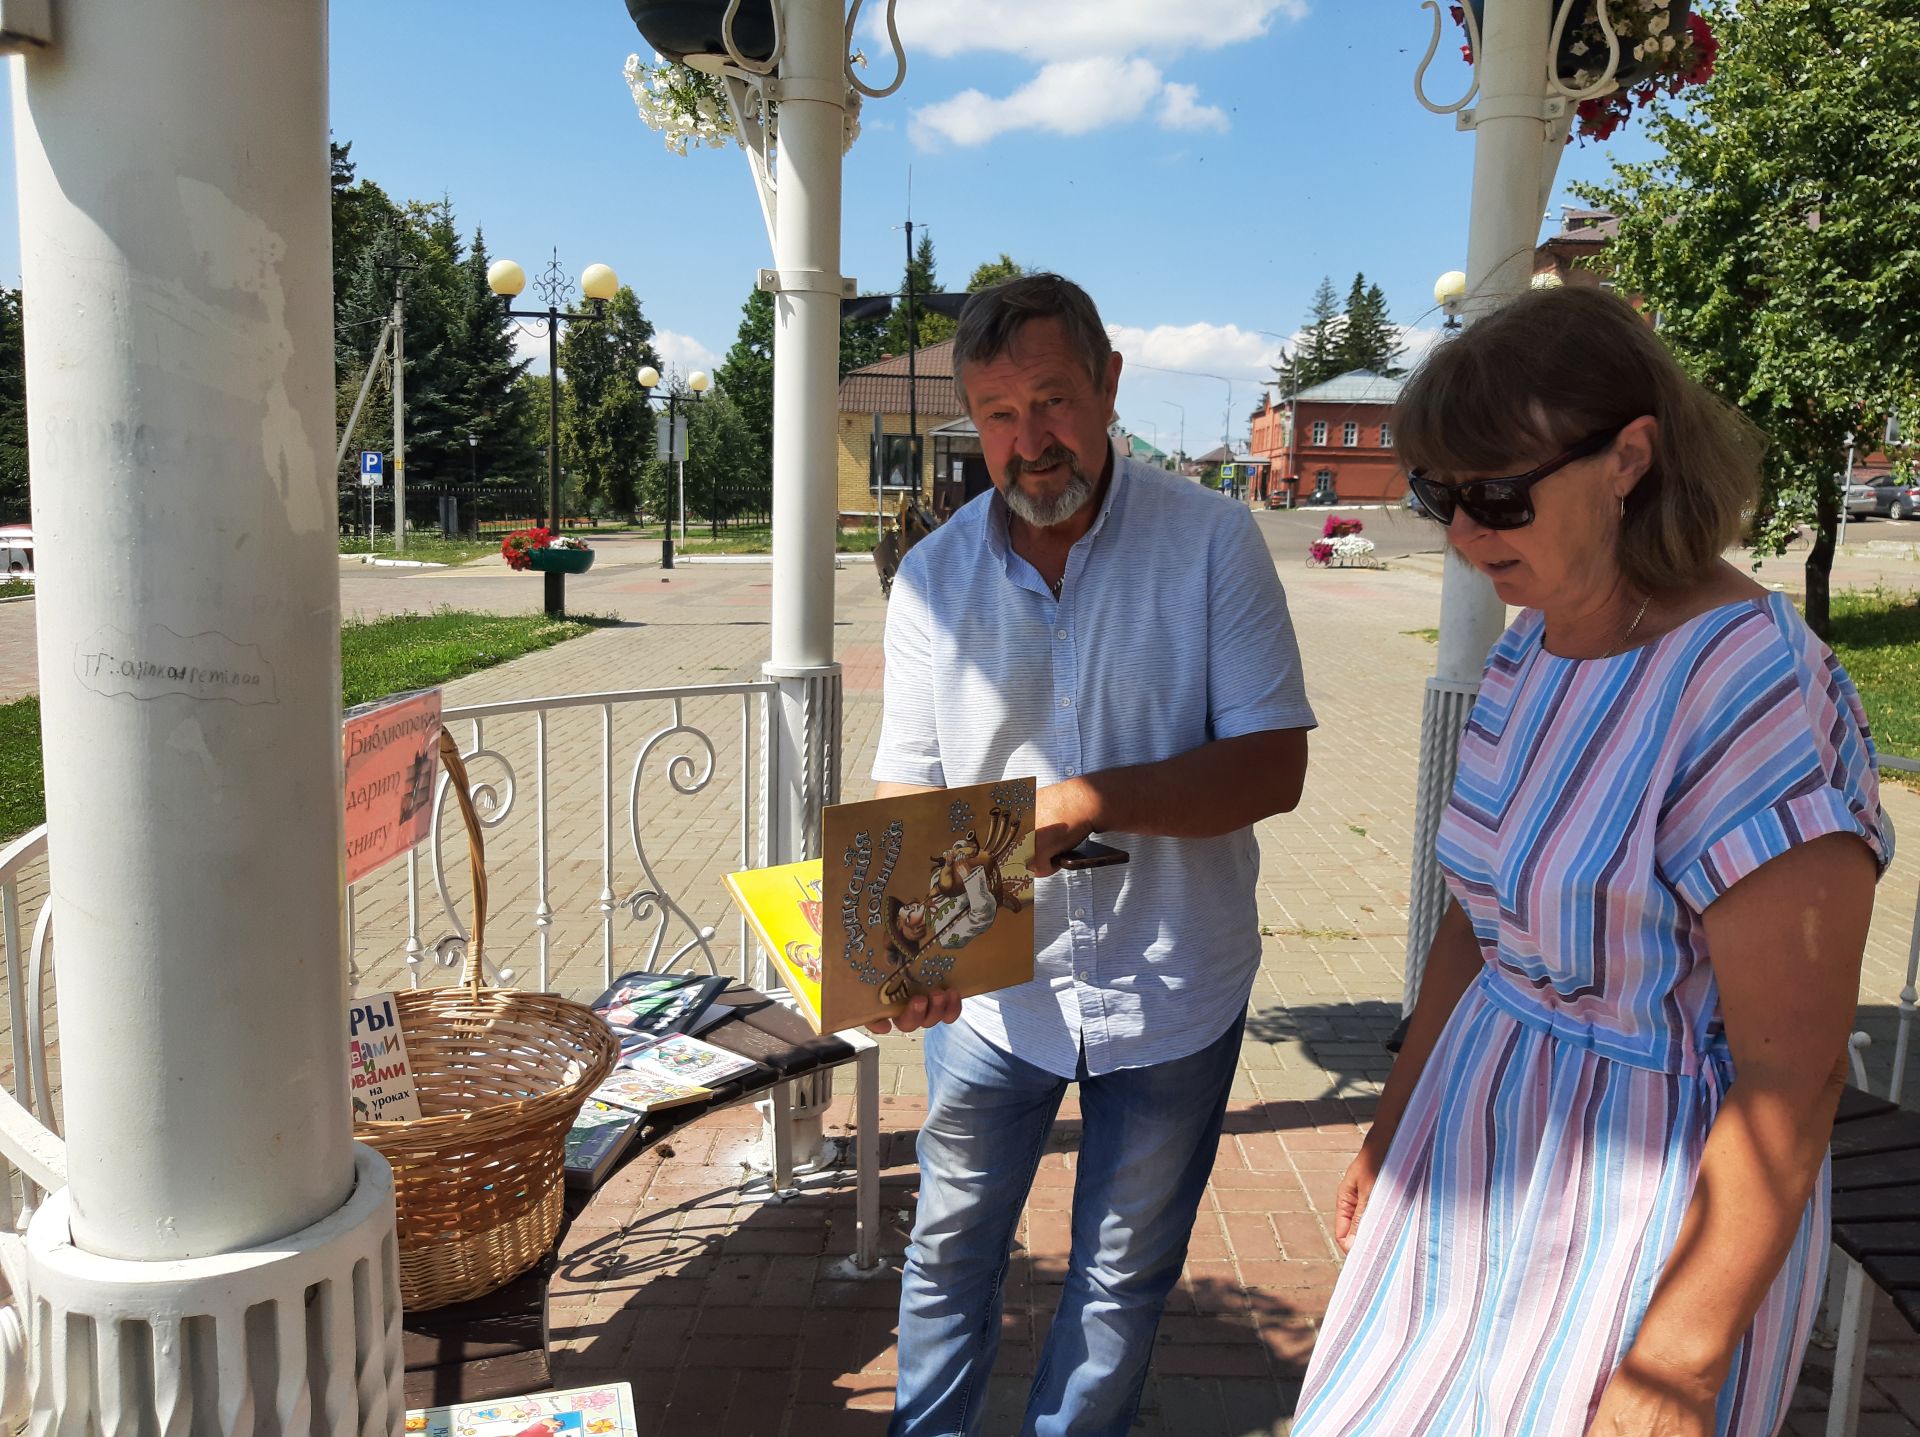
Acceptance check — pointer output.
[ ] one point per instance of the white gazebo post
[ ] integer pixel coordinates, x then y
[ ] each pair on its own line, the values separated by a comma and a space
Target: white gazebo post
1520, 126
222, 1256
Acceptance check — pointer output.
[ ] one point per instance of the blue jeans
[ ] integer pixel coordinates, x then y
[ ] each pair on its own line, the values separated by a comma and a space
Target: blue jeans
1147, 1145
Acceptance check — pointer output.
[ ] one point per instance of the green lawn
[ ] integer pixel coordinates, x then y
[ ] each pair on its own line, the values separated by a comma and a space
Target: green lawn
15, 589
408, 651
430, 547
754, 539
1876, 634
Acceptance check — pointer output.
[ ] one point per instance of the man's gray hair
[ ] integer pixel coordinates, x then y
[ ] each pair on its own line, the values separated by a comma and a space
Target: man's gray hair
994, 316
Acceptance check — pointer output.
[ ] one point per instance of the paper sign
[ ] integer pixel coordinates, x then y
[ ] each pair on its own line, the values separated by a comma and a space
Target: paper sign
381, 1078
389, 749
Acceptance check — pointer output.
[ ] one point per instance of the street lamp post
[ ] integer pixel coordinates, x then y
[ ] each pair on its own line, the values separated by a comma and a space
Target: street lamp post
1183, 427
473, 459
698, 382
599, 284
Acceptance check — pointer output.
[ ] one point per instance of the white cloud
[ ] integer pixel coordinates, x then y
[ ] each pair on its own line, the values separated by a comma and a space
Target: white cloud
531, 344
1092, 55
1053, 30
1223, 349
1069, 97
1417, 342
1179, 112
684, 352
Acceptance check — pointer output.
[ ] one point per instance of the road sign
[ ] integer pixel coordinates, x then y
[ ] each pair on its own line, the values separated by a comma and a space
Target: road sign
372, 468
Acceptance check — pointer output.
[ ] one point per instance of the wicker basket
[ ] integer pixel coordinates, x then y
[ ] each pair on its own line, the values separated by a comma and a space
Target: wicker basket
501, 1075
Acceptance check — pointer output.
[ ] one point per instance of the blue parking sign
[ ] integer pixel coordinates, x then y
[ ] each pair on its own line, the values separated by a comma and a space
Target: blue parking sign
372, 466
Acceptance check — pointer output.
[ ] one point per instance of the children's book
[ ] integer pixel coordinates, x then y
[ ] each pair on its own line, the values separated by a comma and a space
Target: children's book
648, 1092
380, 1078
678, 1058
653, 1005
917, 893
598, 1138
603, 1411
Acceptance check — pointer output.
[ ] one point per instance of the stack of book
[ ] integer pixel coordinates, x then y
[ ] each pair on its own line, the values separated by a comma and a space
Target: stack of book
604, 1411
662, 1065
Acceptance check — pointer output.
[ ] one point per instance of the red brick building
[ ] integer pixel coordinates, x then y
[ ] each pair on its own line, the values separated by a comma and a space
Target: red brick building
1335, 439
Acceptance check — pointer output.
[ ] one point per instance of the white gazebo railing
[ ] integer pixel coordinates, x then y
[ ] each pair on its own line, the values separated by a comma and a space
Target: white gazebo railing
609, 818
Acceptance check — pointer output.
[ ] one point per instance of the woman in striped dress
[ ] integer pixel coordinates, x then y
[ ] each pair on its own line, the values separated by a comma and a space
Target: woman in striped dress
1594, 1196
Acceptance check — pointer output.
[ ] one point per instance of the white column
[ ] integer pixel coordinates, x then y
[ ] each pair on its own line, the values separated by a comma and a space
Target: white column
1512, 169
806, 347
172, 162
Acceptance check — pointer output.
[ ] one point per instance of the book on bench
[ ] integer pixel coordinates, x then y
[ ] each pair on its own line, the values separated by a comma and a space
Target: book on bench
917, 893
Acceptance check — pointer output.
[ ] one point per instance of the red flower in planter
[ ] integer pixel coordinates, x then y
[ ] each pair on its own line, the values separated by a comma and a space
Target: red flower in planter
518, 546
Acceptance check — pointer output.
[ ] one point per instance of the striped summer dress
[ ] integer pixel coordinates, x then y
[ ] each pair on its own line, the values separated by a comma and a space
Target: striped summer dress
1538, 1179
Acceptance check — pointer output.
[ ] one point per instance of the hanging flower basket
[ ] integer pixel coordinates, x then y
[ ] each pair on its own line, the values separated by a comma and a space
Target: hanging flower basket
537, 549
1664, 47
679, 28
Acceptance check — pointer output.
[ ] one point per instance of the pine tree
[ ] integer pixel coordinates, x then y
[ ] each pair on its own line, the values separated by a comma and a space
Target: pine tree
489, 391
746, 376
862, 342
927, 329
1316, 358
723, 459
1368, 339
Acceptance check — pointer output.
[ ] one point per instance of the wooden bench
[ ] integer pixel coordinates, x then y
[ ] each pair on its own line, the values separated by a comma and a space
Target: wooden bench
496, 1346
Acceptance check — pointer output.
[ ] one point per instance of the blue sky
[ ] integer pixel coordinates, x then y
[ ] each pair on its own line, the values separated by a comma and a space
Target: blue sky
1197, 165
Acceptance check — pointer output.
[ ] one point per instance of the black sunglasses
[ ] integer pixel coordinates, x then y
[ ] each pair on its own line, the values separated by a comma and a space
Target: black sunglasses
1499, 503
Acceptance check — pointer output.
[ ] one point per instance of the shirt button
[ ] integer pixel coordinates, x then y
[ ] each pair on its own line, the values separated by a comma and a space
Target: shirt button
1072, 771
1059, 633
1066, 703
1084, 976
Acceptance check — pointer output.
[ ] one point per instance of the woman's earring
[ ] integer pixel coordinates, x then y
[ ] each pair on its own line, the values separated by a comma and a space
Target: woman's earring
1623, 508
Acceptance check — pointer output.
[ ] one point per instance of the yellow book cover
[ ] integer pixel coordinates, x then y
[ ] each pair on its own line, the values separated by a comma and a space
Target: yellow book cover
916, 893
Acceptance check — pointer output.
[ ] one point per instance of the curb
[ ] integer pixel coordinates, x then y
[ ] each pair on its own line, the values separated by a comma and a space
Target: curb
399, 563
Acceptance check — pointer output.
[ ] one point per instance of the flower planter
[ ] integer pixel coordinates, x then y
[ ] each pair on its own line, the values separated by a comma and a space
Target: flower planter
560, 561
679, 28
1568, 63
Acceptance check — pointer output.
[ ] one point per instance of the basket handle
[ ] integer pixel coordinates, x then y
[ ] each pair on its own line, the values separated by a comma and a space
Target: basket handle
476, 856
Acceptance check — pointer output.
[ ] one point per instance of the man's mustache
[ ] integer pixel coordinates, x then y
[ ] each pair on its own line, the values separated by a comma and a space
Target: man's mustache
1054, 454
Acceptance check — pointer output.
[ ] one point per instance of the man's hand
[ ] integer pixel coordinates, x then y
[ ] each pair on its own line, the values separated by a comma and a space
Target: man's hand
1064, 818
941, 1006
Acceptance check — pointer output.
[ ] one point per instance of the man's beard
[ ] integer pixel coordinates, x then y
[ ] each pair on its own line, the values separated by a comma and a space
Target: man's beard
1045, 513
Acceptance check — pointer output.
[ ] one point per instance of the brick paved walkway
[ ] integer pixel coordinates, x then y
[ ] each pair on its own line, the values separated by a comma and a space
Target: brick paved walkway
731, 1313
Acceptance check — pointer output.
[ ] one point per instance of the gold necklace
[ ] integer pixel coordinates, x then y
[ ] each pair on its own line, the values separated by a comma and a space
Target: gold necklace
1621, 647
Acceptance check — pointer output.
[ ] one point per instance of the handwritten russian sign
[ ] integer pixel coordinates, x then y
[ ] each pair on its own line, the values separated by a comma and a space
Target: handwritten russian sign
389, 749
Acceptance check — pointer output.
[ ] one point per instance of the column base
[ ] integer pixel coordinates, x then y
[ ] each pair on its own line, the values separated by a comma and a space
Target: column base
294, 1339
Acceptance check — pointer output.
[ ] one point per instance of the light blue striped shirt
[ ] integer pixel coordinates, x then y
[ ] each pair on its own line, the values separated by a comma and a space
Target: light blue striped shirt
1171, 631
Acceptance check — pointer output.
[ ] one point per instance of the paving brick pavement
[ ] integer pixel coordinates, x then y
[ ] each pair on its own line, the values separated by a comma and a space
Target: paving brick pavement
729, 1311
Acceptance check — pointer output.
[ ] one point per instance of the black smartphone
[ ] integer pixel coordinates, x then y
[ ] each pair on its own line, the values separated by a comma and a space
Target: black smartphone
1090, 855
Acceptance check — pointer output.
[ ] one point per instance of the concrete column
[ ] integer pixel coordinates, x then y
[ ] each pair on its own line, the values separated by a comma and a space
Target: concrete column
172, 161
1512, 171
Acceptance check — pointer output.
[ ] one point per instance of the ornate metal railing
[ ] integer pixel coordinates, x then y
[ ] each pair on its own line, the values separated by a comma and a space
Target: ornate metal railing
650, 794
35, 1157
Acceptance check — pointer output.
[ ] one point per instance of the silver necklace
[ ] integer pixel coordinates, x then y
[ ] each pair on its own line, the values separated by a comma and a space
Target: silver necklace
1621, 647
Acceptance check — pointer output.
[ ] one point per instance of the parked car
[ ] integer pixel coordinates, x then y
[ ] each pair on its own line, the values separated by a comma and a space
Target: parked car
1886, 496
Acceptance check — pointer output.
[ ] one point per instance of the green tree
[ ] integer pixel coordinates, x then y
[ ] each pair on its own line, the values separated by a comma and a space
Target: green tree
746, 375
1316, 357
723, 459
862, 342
1774, 237
1368, 340
13, 410
994, 271
606, 429
485, 375
923, 278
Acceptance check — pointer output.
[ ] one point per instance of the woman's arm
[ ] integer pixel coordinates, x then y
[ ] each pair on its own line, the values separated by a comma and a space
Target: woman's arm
1453, 962
1786, 942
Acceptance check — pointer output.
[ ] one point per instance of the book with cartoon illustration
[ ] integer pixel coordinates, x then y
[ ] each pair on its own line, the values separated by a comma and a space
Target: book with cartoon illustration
679, 1058
602, 1411
647, 1092
916, 893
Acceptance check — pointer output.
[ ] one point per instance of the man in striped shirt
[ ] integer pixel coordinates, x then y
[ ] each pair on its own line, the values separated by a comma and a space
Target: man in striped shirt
1120, 635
